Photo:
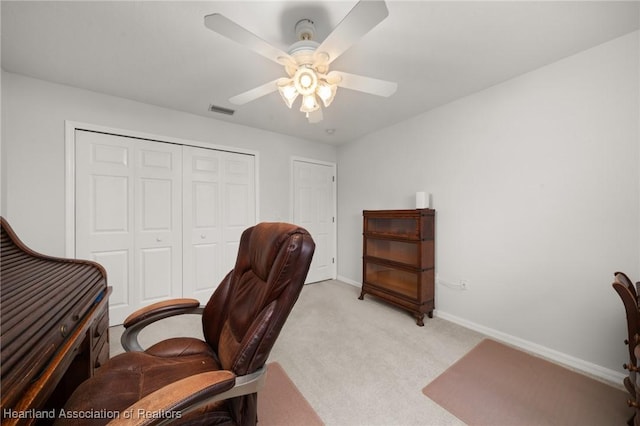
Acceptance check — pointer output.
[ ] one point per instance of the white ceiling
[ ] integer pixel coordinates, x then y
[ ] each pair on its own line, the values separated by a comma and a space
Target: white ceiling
160, 52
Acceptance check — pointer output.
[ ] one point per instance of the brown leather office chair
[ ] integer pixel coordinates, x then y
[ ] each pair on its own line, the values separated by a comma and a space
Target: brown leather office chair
210, 382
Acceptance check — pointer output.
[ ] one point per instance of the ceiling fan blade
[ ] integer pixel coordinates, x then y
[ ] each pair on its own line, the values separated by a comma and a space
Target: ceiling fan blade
315, 116
360, 20
253, 94
363, 84
226, 27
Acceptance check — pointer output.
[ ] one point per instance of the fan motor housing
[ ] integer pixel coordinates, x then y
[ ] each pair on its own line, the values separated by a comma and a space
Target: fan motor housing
302, 51
305, 29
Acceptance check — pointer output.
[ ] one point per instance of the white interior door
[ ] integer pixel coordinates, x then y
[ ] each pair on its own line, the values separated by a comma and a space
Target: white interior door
238, 203
314, 209
128, 217
219, 204
104, 220
158, 221
202, 222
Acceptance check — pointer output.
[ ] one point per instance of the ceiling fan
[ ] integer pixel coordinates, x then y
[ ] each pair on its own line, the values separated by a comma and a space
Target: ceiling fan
307, 62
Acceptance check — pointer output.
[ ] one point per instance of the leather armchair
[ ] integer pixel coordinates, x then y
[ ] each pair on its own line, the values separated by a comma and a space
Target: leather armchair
212, 381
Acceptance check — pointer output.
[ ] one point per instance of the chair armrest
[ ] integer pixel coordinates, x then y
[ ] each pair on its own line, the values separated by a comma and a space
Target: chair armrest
160, 307
141, 318
169, 402
173, 401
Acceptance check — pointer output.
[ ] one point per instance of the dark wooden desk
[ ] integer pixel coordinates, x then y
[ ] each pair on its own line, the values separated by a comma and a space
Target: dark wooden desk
54, 329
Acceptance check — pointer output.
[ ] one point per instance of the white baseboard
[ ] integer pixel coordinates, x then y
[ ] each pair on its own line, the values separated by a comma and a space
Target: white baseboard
607, 375
349, 281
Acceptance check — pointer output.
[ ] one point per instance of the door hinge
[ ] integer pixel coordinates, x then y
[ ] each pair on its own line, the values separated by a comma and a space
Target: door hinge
333, 260
333, 219
333, 178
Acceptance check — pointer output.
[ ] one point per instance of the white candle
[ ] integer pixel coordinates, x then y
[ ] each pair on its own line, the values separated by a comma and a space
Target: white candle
422, 200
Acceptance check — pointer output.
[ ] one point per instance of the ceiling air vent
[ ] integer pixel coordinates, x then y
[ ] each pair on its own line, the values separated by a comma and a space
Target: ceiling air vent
221, 110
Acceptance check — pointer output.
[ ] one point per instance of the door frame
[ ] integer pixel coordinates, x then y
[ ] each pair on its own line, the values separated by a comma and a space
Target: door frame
70, 128
334, 228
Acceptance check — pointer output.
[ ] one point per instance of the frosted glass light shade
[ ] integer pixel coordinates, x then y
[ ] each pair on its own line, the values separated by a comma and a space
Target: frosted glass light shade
309, 103
326, 92
288, 92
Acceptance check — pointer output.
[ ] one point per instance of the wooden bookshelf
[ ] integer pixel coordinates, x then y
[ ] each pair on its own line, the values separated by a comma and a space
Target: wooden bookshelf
398, 259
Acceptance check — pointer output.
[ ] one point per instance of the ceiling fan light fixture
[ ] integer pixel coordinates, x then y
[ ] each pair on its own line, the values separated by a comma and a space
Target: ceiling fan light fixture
288, 92
309, 104
307, 61
305, 81
326, 92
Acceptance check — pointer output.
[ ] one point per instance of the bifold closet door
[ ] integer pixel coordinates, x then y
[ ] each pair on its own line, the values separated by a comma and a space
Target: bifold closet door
129, 217
219, 204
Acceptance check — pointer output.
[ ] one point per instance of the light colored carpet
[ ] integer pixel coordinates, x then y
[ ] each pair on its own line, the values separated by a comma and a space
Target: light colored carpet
363, 362
280, 403
495, 384
357, 362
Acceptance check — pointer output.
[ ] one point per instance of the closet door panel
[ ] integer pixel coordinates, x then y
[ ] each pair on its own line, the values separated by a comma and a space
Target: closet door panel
158, 213
156, 270
104, 213
219, 203
164, 220
202, 222
207, 274
129, 217
116, 263
238, 202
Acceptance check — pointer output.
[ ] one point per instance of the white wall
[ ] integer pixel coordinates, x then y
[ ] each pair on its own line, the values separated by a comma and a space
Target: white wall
536, 183
33, 172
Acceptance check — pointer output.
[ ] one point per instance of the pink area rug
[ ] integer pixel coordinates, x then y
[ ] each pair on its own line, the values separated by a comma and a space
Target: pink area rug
497, 385
280, 403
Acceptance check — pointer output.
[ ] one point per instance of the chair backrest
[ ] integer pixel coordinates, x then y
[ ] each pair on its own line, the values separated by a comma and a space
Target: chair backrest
245, 314
633, 317
623, 279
